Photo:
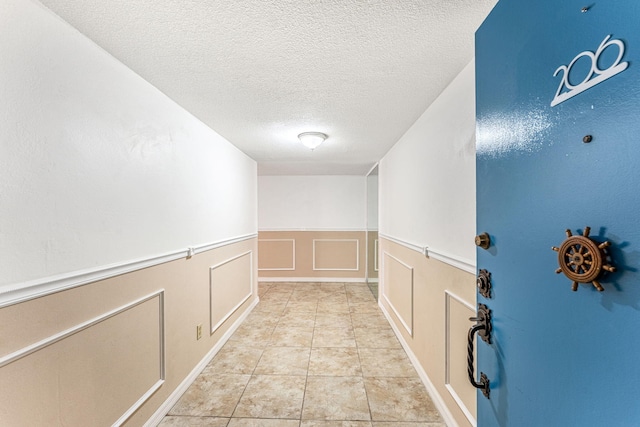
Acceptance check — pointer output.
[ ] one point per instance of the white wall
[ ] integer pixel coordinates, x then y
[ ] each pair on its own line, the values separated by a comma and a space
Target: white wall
427, 180
312, 202
372, 201
96, 165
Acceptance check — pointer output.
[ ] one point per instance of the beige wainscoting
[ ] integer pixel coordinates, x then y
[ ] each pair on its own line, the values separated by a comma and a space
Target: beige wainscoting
120, 350
373, 256
311, 255
428, 303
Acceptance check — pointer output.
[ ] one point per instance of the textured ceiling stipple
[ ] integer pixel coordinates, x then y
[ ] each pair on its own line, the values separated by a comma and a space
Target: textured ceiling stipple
259, 72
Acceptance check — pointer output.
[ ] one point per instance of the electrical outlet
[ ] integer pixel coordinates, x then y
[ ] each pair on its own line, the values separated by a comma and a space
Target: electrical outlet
198, 332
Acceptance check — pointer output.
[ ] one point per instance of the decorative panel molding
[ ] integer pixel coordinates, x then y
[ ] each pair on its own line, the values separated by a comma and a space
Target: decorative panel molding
398, 289
336, 254
277, 254
230, 286
376, 254
457, 313
373, 262
74, 365
312, 255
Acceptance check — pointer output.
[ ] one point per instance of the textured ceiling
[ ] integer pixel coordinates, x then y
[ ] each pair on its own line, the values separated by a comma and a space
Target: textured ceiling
260, 72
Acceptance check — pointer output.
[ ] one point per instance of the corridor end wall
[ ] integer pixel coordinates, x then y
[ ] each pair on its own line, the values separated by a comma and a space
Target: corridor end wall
312, 228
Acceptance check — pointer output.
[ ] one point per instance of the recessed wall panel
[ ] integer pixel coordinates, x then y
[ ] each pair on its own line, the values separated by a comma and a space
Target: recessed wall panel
372, 255
231, 284
398, 289
457, 324
71, 375
277, 254
336, 254
315, 255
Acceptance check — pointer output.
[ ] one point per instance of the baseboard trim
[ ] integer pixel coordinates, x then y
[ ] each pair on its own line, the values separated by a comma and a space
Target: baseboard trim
431, 389
173, 398
25, 291
313, 279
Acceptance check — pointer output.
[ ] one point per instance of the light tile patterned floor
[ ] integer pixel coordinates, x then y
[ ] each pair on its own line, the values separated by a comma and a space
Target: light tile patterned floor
309, 355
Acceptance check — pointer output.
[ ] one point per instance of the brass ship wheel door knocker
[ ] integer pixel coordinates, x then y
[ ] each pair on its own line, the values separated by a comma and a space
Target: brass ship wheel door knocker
582, 260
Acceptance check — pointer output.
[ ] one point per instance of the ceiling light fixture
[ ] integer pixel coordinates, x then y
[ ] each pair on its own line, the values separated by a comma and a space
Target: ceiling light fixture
312, 140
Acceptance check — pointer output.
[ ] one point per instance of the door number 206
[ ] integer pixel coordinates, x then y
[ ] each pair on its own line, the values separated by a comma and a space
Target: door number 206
595, 75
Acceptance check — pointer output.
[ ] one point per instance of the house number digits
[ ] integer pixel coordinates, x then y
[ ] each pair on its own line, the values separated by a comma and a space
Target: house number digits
589, 81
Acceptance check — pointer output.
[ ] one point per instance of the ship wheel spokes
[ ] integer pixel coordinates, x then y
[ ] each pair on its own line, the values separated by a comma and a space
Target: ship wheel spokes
582, 260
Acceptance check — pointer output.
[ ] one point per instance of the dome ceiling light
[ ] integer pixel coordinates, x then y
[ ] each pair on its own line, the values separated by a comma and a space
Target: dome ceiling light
312, 140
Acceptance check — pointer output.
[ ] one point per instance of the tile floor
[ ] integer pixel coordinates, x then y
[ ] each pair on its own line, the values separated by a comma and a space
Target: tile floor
309, 355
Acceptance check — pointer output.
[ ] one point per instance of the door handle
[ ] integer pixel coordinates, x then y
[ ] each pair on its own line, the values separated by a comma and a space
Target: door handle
483, 328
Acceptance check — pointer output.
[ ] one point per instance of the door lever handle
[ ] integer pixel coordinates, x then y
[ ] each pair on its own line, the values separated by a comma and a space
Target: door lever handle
483, 328
484, 381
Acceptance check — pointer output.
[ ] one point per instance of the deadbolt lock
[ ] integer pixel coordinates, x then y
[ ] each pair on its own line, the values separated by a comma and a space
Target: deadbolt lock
483, 240
484, 283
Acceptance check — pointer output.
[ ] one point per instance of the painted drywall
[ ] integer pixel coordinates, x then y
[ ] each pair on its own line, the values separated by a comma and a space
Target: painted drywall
312, 202
372, 201
427, 180
98, 348
96, 165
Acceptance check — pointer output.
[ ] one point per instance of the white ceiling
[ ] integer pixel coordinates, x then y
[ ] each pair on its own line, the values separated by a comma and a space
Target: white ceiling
259, 72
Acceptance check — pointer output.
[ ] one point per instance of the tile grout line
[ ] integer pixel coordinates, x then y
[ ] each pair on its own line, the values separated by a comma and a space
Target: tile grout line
366, 394
254, 368
306, 380
303, 304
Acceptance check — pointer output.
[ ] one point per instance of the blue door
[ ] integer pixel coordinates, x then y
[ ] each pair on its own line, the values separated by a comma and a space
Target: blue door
558, 110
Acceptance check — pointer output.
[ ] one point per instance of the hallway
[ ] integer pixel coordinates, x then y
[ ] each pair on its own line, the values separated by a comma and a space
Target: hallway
309, 355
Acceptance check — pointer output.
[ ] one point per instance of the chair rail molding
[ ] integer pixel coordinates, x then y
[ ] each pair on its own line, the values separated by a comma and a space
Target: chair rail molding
25, 291
430, 252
